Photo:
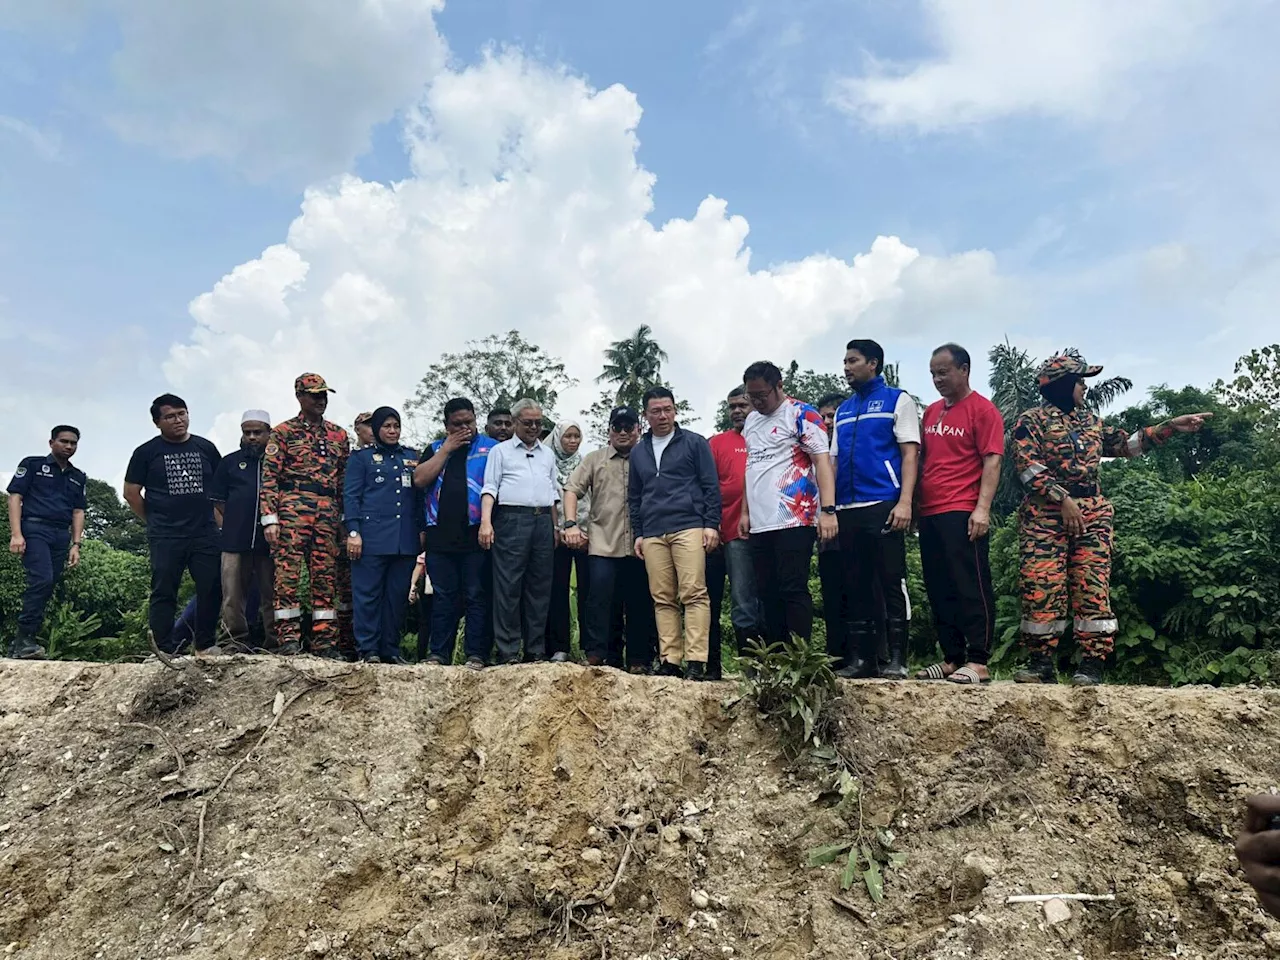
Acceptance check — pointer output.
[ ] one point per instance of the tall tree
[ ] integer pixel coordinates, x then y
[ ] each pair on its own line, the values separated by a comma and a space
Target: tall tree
491, 372
1255, 389
631, 365
109, 520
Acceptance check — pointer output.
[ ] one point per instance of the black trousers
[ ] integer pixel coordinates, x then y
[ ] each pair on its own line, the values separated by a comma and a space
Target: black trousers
523, 547
559, 628
837, 604
874, 558
781, 559
957, 577
619, 605
44, 559
171, 557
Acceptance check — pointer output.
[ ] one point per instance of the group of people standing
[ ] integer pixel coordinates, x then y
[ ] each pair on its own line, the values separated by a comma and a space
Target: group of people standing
496, 526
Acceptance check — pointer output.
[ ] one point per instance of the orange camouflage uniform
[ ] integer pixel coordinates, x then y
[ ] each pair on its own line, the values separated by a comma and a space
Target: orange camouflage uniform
1057, 455
302, 475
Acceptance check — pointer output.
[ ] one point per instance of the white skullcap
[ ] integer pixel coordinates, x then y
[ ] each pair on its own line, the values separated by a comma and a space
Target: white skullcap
255, 416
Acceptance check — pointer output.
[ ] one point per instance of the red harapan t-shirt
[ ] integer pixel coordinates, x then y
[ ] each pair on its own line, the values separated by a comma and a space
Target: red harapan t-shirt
955, 439
729, 451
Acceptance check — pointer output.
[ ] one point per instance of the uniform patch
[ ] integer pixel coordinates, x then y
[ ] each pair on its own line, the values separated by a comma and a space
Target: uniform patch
272, 449
379, 479
243, 465
20, 472
377, 458
44, 468
875, 406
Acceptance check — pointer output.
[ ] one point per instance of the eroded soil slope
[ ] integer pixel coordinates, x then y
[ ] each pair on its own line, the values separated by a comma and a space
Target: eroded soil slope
558, 812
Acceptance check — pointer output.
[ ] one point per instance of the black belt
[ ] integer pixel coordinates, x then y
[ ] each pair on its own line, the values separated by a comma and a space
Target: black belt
317, 488
531, 511
1078, 490
51, 523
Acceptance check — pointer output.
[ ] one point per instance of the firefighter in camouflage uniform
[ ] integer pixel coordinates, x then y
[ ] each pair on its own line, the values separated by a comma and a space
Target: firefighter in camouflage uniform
302, 477
1064, 523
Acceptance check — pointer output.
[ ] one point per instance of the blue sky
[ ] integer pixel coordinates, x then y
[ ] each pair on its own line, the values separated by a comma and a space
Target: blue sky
1079, 174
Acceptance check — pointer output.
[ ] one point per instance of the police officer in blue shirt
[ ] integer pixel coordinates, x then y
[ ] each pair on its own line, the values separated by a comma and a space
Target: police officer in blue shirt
384, 524
46, 497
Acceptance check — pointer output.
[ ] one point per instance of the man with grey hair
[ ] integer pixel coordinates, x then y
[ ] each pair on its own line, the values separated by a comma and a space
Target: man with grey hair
518, 524
247, 571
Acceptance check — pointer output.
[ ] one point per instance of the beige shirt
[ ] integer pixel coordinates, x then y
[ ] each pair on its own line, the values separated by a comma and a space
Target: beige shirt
604, 474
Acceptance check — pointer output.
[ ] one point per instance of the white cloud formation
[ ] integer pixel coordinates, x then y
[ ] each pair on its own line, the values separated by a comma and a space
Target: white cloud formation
527, 209
46, 145
1077, 60
273, 87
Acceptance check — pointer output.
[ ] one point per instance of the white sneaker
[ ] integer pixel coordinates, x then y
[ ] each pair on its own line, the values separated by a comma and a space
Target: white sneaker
559, 657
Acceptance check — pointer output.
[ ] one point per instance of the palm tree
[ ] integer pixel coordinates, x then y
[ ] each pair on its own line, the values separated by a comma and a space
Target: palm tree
634, 364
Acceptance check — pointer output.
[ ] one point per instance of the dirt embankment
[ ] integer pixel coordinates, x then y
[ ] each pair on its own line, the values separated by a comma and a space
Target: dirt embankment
560, 812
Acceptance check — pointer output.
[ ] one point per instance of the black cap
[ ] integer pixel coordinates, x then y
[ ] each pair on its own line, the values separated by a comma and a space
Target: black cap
623, 415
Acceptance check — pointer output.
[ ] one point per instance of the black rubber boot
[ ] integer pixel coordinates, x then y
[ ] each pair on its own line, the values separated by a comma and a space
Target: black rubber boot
1089, 673
25, 648
1039, 669
898, 633
865, 664
693, 670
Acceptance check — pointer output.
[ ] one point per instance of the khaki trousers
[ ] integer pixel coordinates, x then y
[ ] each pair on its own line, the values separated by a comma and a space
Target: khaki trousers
238, 571
677, 568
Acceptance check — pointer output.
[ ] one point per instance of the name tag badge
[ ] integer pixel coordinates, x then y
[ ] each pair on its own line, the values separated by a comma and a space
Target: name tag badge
406, 480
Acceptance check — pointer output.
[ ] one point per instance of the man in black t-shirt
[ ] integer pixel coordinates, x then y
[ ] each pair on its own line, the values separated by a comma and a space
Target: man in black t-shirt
167, 485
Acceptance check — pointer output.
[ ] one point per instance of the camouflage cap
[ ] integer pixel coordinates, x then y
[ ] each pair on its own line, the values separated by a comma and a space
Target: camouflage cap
1065, 365
311, 383
363, 417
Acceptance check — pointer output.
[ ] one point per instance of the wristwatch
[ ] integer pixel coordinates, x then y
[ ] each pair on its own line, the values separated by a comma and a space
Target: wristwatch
353, 534
829, 509
569, 523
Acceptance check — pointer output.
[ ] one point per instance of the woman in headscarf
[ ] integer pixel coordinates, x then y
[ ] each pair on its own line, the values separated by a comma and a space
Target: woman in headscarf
566, 440
1064, 523
384, 524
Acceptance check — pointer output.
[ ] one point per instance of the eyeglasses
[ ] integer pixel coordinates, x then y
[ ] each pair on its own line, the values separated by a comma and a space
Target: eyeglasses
530, 423
174, 417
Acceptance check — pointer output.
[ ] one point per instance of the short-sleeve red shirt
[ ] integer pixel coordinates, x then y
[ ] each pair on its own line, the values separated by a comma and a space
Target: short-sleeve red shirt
729, 451
955, 439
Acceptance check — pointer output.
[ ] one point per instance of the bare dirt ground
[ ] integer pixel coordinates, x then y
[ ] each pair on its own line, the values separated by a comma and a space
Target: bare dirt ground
559, 812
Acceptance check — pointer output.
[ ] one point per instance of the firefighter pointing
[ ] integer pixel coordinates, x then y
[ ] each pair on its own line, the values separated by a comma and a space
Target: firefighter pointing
1064, 523
302, 476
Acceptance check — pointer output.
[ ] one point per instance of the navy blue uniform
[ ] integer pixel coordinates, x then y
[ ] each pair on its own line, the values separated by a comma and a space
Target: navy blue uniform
50, 495
381, 504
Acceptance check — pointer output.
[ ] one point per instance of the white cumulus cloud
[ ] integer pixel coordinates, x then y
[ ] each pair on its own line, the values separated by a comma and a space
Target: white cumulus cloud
527, 209
1076, 60
272, 87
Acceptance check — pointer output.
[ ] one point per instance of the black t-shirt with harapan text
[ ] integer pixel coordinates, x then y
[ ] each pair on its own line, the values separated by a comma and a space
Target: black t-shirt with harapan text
175, 478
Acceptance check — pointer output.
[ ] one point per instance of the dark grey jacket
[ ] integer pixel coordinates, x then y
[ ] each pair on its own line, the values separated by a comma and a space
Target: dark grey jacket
685, 495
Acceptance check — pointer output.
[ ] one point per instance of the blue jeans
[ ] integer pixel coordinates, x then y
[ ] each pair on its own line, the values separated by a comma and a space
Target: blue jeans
457, 582
733, 560
380, 597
